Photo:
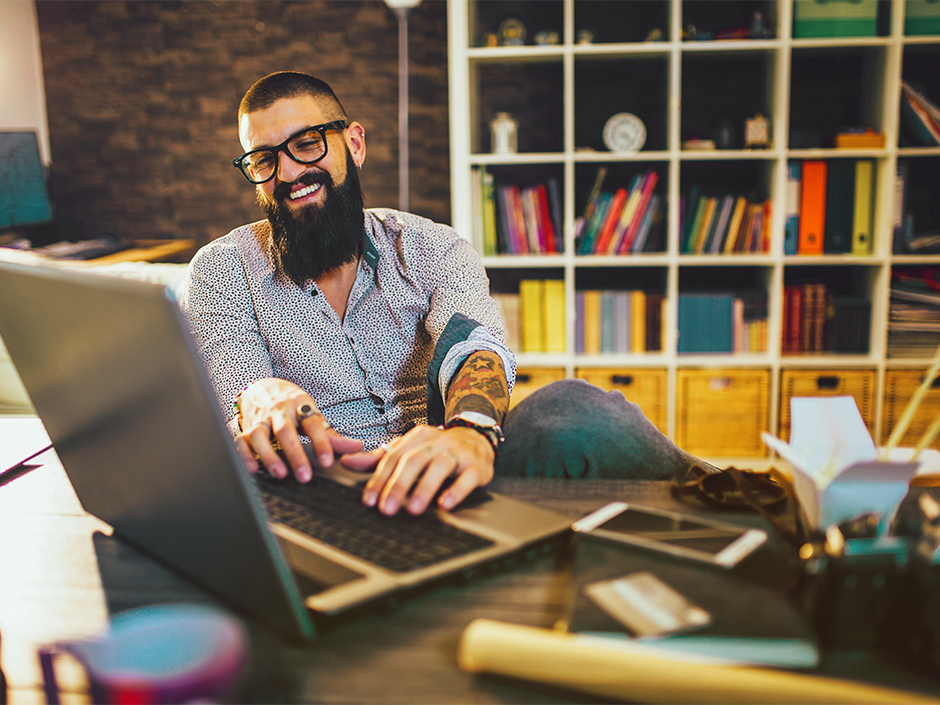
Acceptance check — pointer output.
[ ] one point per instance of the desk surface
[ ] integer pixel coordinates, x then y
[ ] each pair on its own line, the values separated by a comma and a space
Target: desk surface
61, 578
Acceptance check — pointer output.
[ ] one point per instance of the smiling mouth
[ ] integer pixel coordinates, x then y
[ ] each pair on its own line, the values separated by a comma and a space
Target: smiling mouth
305, 191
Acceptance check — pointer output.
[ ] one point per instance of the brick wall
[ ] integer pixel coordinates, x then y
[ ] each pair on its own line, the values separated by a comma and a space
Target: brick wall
142, 99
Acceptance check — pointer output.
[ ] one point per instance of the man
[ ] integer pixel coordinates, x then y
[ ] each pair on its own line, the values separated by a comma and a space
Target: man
372, 332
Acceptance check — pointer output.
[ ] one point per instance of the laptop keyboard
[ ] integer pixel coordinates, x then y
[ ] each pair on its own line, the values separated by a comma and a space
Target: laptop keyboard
335, 514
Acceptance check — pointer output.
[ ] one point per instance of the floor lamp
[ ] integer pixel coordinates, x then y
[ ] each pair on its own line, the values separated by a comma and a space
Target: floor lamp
402, 9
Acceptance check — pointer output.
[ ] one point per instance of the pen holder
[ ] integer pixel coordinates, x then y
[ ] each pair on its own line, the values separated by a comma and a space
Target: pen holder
855, 599
157, 654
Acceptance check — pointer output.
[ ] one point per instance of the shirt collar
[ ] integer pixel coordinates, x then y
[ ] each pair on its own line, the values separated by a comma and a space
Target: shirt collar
370, 254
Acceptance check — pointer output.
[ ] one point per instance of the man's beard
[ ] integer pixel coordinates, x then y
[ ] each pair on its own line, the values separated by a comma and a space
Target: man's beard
319, 238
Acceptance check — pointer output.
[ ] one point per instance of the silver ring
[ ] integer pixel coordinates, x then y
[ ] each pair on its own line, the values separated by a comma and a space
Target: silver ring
453, 456
306, 410
270, 427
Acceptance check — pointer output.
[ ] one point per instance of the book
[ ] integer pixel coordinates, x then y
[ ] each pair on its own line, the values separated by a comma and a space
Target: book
840, 206
795, 302
611, 221
549, 239
920, 116
608, 322
697, 216
595, 193
764, 241
812, 207
531, 301
705, 225
734, 227
650, 218
638, 321
626, 216
646, 186
508, 304
721, 228
503, 234
791, 227
476, 208
739, 343
693, 207
593, 225
490, 245
622, 324
554, 205
862, 212
553, 315
592, 322
517, 217
530, 213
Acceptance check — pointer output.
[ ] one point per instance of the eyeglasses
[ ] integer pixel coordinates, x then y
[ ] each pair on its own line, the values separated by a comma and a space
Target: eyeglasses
308, 146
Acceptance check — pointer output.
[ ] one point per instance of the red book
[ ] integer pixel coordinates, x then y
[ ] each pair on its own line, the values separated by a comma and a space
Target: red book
518, 218
546, 219
610, 221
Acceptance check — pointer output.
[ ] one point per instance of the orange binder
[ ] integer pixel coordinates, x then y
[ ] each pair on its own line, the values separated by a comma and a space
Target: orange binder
813, 208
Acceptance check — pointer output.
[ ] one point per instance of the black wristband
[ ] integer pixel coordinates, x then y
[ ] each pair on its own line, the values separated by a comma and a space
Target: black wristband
493, 434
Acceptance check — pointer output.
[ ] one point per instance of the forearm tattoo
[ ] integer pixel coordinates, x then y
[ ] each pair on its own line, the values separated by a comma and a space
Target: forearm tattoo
479, 385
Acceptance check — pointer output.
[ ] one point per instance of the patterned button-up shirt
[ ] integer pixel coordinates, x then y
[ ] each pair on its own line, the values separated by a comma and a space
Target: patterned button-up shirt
368, 373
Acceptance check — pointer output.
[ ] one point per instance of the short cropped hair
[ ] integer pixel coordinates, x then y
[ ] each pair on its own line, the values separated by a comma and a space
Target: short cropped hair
288, 84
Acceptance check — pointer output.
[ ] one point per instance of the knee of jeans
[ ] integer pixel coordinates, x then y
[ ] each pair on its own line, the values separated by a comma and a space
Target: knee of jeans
576, 430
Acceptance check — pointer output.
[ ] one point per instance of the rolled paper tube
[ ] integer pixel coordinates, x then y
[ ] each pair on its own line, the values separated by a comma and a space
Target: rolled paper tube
580, 663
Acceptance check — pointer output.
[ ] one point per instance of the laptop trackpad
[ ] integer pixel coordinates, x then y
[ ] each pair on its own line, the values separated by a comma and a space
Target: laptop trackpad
317, 573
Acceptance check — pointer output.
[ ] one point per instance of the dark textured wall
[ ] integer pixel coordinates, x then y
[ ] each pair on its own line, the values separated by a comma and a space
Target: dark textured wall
142, 99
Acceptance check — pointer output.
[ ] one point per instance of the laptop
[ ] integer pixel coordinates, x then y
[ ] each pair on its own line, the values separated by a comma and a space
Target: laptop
118, 383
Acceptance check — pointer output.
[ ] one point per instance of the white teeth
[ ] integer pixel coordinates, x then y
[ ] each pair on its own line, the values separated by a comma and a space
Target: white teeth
304, 192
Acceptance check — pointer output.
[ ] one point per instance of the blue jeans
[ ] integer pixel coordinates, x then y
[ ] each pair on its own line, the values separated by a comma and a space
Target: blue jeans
571, 428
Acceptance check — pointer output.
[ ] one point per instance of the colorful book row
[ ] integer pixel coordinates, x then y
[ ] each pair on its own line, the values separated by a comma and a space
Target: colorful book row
722, 225
509, 219
815, 320
611, 321
829, 207
535, 317
921, 116
623, 221
722, 322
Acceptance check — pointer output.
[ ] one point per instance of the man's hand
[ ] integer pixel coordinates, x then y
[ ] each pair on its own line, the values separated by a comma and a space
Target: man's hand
410, 470
269, 411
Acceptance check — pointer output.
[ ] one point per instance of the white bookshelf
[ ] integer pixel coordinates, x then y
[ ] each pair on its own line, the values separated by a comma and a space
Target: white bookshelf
882, 61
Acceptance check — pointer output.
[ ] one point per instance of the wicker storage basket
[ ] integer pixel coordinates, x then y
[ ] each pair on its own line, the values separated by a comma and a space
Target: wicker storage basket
643, 386
721, 412
859, 384
528, 379
900, 386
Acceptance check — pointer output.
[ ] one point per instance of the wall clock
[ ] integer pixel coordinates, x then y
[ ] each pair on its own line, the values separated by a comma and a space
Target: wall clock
624, 132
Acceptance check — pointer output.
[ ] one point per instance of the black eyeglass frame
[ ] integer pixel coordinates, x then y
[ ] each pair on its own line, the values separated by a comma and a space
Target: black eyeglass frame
239, 162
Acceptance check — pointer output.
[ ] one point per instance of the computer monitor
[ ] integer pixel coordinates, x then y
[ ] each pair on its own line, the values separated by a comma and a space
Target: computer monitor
24, 199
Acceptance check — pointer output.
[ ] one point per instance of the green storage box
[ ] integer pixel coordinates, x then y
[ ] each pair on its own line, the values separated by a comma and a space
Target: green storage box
922, 17
835, 18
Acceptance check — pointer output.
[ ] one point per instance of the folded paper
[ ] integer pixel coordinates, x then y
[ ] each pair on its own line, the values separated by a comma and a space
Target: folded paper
837, 475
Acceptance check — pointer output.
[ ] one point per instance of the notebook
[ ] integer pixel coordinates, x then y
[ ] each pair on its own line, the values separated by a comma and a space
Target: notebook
122, 392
